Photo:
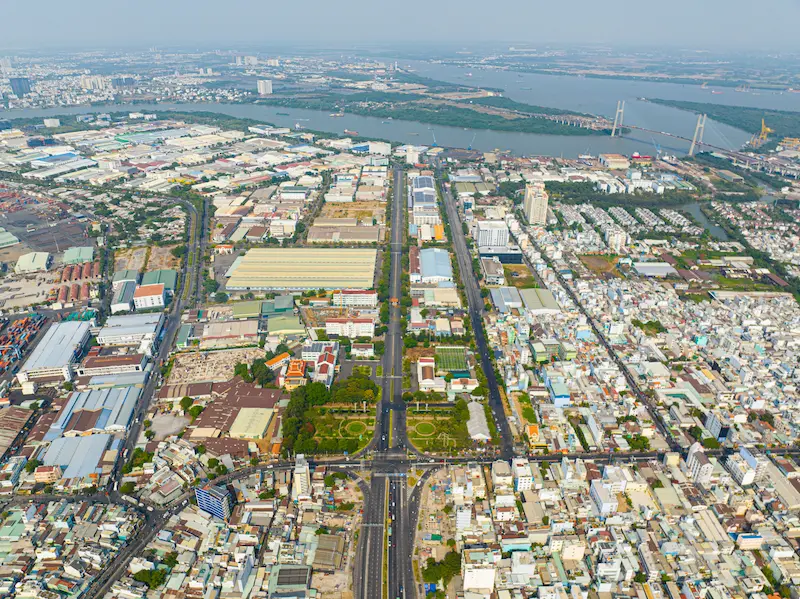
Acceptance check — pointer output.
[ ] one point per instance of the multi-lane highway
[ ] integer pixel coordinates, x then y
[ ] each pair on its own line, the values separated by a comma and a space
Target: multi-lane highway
476, 307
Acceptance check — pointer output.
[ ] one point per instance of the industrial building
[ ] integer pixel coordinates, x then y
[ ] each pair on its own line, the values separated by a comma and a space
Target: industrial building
539, 301
77, 457
122, 300
96, 411
56, 353
434, 267
133, 329
491, 233
303, 268
229, 333
166, 277
79, 255
344, 234
33, 262
124, 276
97, 365
149, 296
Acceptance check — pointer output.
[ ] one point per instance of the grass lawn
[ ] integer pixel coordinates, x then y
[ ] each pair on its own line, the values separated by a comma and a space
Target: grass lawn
729, 284
520, 276
451, 358
362, 369
344, 425
436, 431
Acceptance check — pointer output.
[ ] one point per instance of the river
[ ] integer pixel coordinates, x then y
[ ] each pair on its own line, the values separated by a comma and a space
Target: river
597, 96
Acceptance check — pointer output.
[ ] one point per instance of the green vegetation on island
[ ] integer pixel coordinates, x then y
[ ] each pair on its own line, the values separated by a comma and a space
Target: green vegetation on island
415, 107
509, 104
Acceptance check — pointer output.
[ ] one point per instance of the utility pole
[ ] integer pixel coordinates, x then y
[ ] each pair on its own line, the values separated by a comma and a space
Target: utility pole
699, 129
618, 116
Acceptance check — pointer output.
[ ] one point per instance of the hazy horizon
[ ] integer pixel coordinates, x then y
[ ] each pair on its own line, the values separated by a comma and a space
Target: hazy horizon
681, 24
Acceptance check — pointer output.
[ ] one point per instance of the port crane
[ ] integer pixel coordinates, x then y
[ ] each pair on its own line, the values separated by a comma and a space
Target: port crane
657, 146
762, 136
469, 147
434, 138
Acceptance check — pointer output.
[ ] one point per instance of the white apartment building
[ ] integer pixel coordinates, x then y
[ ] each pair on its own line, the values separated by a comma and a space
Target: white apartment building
301, 482
350, 327
699, 465
740, 470
354, 298
604, 501
523, 478
535, 204
265, 87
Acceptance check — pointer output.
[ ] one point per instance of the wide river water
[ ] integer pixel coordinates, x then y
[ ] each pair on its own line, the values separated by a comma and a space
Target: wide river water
597, 96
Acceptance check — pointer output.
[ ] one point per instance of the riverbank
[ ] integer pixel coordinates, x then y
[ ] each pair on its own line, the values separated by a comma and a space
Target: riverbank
403, 132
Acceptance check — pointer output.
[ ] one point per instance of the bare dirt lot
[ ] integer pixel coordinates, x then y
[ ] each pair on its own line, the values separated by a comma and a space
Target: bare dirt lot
601, 265
363, 211
130, 258
161, 257
204, 366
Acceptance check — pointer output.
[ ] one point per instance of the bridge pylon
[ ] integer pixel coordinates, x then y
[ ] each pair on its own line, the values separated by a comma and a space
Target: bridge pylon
699, 129
618, 116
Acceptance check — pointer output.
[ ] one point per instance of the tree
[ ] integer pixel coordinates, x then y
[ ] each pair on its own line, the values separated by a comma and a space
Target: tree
148, 423
171, 559
200, 449
152, 578
213, 463
220, 297
186, 403
68, 386
149, 434
32, 465
127, 488
195, 411
640, 577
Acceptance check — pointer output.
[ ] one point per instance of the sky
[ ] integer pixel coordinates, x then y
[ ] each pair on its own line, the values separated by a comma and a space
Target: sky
100, 24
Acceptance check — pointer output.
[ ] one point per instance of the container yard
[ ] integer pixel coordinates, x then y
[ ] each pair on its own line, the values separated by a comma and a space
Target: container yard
15, 337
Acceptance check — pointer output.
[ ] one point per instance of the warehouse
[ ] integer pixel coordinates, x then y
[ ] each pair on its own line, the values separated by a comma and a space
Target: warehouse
124, 276
304, 268
79, 255
77, 456
97, 365
540, 301
320, 234
122, 301
166, 277
32, 262
134, 329
435, 266
658, 270
96, 411
251, 423
55, 355
7, 239
229, 333
506, 299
